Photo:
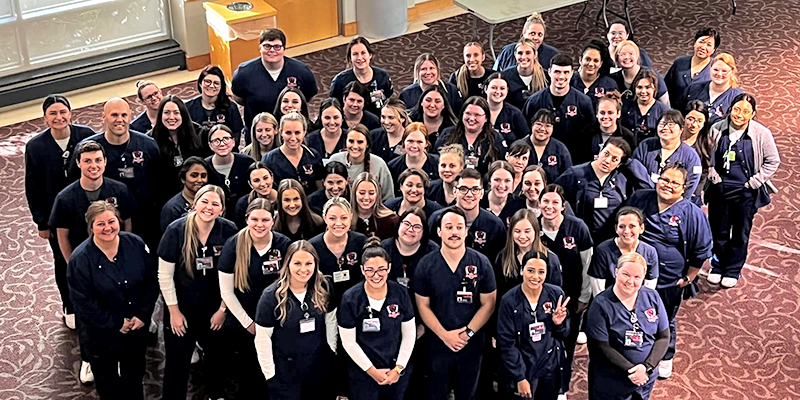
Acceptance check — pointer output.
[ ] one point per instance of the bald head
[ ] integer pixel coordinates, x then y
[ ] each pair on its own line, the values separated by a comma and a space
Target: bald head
116, 117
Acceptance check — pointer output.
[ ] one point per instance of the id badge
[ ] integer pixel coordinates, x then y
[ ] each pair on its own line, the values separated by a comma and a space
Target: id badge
307, 325
731, 155
654, 177
463, 297
601, 202
270, 267
403, 281
536, 331
371, 325
697, 169
633, 339
204, 263
177, 161
126, 172
341, 276
472, 161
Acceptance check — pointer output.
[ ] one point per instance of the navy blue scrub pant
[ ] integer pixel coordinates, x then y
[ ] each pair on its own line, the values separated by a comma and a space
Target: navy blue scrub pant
640, 393
118, 373
60, 267
569, 343
671, 297
456, 370
243, 367
731, 220
178, 354
545, 388
302, 378
363, 387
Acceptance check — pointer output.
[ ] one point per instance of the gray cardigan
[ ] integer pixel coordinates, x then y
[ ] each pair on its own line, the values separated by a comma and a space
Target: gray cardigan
377, 167
765, 154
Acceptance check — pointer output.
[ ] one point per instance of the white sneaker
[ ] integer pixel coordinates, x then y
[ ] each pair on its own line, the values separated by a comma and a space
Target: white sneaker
86, 376
581, 338
728, 282
69, 321
714, 279
195, 356
563, 396
665, 369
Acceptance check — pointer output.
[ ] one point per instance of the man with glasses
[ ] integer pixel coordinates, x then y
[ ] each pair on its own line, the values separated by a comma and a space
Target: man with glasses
486, 233
257, 83
150, 96
455, 292
681, 235
573, 109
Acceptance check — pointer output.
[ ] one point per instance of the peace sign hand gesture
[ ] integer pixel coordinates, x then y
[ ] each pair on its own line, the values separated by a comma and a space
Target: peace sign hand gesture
560, 312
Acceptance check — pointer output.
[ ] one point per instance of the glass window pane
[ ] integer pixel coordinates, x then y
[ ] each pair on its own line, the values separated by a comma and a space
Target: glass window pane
5, 9
31, 5
9, 51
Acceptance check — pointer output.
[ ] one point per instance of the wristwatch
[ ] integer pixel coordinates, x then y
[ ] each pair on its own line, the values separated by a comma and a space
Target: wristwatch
400, 370
470, 333
686, 279
649, 369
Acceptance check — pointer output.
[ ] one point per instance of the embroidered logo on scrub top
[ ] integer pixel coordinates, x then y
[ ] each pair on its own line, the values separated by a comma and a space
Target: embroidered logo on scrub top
718, 111
138, 157
480, 237
352, 258
505, 128
393, 310
548, 307
572, 110
552, 160
112, 201
308, 169
291, 82
599, 92
651, 315
471, 272
275, 255
220, 118
674, 220
569, 242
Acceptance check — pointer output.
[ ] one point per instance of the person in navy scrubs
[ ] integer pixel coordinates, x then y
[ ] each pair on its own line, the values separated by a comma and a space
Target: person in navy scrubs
593, 75
435, 112
534, 30
609, 111
230, 168
534, 180
194, 174
573, 109
414, 184
655, 153
296, 328
455, 294
641, 113
744, 161
261, 181
500, 200
251, 260
531, 326
359, 56
294, 159
696, 134
150, 96
330, 138
296, 220
486, 232
505, 118
370, 216
112, 282
409, 244
680, 232
527, 76
694, 68
427, 74
257, 82
549, 153
356, 96
188, 260
617, 33
596, 189
378, 330
718, 92
291, 99
47, 172
178, 138
628, 333
451, 163
568, 237
415, 149
264, 136
387, 141
482, 145
628, 58
629, 227
518, 156
335, 184
469, 78
213, 106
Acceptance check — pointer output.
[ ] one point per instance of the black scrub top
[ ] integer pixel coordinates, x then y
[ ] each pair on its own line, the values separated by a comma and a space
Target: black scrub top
236, 184
175, 208
575, 113
606, 255
349, 262
511, 124
380, 88
307, 171
315, 142
487, 233
474, 85
381, 147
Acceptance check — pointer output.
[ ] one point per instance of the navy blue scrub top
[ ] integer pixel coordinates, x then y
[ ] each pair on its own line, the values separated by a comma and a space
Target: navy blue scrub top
236, 184
398, 165
175, 208
487, 233
411, 94
315, 142
262, 271
513, 204
201, 290
511, 124
596, 90
406, 266
141, 123
582, 187
505, 284
475, 155
70, 205
575, 113
518, 91
307, 171
368, 119
474, 85
435, 192
649, 154
606, 255
429, 208
381, 147
628, 91
556, 158
717, 109
382, 348
572, 238
506, 58
643, 126
593, 131
679, 77
253, 83
435, 280
380, 88
208, 118
350, 260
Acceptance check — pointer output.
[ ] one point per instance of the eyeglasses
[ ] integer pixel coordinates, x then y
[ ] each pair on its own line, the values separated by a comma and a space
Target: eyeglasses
542, 125
152, 96
692, 120
617, 33
474, 115
221, 141
412, 227
275, 47
372, 272
210, 83
670, 125
476, 190
672, 184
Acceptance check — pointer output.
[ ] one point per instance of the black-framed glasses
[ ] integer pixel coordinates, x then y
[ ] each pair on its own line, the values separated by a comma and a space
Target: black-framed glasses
476, 190
210, 83
670, 125
152, 96
413, 227
221, 141
274, 47
372, 272
672, 184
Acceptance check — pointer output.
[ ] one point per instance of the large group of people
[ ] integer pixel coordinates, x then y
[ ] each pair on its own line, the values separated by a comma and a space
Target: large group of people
460, 236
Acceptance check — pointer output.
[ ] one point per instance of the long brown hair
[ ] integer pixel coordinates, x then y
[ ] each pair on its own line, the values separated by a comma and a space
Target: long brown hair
241, 278
462, 75
378, 209
190, 240
317, 284
510, 269
308, 218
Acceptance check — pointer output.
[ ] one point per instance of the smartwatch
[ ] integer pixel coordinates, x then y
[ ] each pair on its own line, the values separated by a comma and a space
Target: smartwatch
686, 279
470, 333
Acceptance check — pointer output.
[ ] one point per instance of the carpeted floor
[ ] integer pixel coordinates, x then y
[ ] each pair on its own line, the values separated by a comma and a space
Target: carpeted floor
735, 344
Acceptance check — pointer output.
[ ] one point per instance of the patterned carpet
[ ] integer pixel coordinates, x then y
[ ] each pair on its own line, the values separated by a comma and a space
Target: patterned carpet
735, 344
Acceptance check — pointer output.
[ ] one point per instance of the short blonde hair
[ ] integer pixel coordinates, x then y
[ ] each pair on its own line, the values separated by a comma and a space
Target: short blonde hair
730, 62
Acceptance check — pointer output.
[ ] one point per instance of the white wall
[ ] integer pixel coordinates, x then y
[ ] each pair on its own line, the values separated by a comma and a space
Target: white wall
349, 8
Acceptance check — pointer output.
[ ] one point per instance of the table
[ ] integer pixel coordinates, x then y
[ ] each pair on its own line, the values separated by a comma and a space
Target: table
498, 11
